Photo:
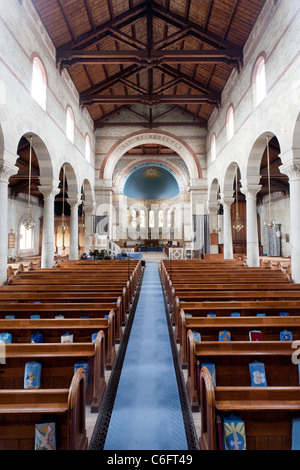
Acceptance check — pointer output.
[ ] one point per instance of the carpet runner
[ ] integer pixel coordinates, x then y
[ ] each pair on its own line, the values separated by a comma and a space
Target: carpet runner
147, 412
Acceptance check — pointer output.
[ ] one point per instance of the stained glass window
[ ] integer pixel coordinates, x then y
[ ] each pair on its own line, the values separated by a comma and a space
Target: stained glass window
151, 219
161, 218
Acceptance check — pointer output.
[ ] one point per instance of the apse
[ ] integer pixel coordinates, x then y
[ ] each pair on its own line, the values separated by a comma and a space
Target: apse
151, 183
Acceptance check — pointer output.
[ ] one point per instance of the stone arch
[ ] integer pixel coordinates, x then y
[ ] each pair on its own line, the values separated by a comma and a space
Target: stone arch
88, 190
255, 157
71, 179
146, 137
296, 135
42, 154
213, 194
229, 177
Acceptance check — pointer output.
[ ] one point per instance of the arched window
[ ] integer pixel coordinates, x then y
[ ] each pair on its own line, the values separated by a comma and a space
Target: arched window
88, 148
70, 124
151, 219
230, 123
259, 80
39, 82
128, 217
26, 237
142, 219
161, 218
169, 218
213, 147
133, 218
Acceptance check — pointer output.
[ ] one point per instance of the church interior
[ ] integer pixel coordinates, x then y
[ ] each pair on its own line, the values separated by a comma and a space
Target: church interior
150, 241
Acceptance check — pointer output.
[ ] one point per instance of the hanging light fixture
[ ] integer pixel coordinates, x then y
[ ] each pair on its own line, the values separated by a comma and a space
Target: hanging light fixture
237, 223
29, 222
270, 224
63, 227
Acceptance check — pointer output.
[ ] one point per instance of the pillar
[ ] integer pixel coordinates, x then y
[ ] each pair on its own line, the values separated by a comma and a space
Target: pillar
250, 191
88, 224
48, 244
73, 249
6, 171
292, 169
213, 208
227, 228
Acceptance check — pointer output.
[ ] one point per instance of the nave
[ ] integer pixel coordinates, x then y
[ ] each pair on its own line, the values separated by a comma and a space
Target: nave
168, 365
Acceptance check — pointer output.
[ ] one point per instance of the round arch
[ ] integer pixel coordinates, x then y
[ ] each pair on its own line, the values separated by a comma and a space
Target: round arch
88, 191
146, 137
255, 157
213, 194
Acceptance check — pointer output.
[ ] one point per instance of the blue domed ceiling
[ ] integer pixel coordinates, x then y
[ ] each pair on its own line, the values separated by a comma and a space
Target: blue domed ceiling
151, 183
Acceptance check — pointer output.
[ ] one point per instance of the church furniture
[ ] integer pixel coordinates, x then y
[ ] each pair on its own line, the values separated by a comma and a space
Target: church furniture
266, 411
20, 409
232, 360
107, 325
239, 327
58, 360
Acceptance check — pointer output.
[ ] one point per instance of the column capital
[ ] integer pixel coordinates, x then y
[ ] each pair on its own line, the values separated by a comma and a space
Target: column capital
88, 207
49, 191
226, 201
6, 171
250, 190
291, 169
74, 202
213, 206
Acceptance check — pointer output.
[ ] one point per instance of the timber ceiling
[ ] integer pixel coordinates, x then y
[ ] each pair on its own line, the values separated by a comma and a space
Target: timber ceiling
124, 53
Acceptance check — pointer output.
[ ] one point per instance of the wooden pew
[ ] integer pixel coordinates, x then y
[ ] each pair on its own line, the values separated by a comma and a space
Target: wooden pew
232, 363
266, 411
70, 290
20, 409
107, 325
270, 326
57, 361
68, 310
245, 308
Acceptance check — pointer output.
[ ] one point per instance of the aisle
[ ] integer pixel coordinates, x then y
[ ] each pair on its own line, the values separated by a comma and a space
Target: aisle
147, 412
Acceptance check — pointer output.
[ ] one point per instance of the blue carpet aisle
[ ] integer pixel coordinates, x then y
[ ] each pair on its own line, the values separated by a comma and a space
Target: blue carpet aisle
147, 412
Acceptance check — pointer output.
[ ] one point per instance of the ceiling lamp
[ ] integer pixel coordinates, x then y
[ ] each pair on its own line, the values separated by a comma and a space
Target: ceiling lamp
237, 223
29, 221
63, 227
270, 224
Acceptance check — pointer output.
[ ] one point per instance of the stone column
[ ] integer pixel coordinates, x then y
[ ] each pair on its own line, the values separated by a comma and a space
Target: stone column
250, 191
6, 171
292, 169
73, 249
48, 244
213, 208
227, 227
88, 224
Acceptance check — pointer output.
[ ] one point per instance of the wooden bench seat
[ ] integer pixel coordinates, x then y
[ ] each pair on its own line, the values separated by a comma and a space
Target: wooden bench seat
21, 409
61, 326
239, 328
68, 310
232, 360
266, 411
58, 360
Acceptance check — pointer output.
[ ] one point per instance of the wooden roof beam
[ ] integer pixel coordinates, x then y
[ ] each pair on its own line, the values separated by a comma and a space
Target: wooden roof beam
106, 84
149, 100
119, 21
148, 59
196, 30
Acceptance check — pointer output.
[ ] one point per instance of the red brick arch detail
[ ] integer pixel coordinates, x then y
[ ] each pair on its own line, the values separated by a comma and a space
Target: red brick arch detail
151, 132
